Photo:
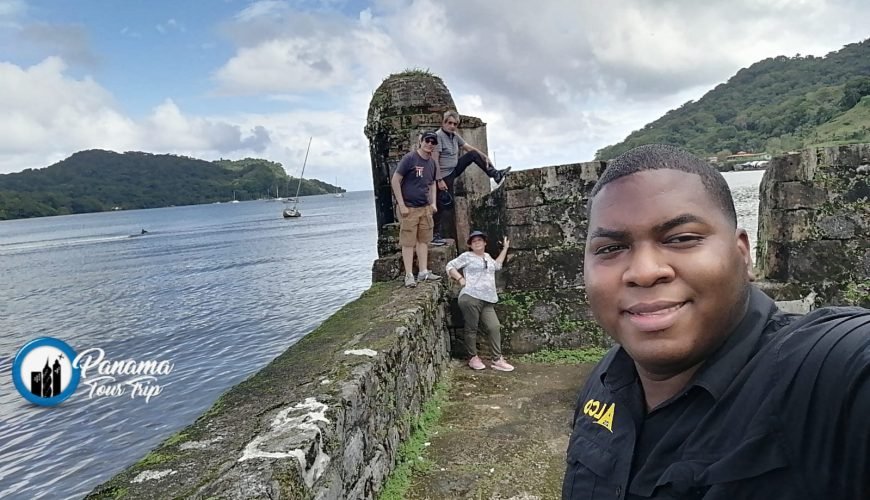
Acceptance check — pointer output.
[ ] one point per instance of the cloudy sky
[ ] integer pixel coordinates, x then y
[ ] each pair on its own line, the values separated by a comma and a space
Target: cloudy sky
554, 80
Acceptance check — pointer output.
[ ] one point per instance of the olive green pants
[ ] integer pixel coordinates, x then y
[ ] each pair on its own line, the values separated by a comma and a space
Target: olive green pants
480, 315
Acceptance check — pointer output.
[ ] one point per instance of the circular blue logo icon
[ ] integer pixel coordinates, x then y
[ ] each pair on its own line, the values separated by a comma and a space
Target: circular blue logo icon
43, 371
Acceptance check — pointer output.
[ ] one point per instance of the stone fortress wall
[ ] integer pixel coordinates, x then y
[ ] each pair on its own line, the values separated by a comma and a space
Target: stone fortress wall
814, 226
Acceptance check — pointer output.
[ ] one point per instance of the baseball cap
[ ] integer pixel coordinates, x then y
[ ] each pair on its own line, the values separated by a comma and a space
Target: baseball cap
476, 234
430, 135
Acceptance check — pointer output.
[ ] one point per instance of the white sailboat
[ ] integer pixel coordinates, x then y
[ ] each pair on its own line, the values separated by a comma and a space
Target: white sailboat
337, 193
234, 197
290, 213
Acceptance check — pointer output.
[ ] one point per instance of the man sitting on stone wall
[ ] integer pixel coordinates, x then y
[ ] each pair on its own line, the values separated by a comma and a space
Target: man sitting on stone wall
711, 392
451, 165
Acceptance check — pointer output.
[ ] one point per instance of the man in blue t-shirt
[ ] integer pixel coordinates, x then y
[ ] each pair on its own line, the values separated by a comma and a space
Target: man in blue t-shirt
451, 165
413, 185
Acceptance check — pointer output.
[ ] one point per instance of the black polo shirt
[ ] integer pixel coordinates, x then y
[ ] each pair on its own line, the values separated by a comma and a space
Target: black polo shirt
780, 411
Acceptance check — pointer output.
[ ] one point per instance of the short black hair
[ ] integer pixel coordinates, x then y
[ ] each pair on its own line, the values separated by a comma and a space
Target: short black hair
662, 156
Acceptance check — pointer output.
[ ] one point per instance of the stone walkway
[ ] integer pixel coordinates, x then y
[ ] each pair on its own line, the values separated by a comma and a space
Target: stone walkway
502, 435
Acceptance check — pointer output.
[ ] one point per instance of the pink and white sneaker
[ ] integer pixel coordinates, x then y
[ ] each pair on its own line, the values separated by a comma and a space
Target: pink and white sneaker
501, 365
476, 364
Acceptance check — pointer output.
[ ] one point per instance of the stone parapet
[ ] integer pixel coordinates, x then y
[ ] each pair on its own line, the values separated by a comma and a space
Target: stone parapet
814, 223
324, 420
390, 267
543, 211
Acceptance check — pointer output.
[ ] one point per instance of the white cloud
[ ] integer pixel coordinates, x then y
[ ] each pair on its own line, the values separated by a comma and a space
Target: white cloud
283, 51
49, 115
555, 81
11, 9
170, 25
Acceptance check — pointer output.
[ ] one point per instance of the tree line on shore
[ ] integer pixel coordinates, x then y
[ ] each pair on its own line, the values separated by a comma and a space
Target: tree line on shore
97, 180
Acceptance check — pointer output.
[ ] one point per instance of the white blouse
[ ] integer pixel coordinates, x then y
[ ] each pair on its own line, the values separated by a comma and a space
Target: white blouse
479, 273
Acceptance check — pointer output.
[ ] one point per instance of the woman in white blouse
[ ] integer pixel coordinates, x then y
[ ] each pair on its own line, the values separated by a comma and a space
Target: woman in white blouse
477, 297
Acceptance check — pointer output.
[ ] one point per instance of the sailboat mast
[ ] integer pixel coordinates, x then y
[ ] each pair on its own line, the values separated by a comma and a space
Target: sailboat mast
299, 186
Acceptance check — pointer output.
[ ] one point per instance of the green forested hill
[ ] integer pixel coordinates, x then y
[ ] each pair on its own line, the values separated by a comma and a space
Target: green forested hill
96, 180
775, 105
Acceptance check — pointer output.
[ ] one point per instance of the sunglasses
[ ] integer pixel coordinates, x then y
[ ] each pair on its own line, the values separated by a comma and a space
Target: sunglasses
430, 141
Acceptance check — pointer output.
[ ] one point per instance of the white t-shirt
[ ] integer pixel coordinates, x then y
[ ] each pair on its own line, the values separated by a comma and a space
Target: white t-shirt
479, 273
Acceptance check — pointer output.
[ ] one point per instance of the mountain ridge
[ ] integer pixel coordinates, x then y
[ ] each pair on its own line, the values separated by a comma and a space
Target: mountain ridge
98, 180
774, 105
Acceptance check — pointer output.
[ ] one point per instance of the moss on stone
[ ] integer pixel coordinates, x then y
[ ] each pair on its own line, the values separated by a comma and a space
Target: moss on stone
176, 438
152, 459
411, 458
857, 293
565, 356
415, 71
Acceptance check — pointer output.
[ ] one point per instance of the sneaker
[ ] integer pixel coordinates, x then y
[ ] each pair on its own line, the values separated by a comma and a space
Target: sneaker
438, 242
501, 365
427, 276
476, 364
499, 175
410, 282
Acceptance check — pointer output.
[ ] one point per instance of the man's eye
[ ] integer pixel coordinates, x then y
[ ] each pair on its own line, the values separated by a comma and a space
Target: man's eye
606, 249
684, 238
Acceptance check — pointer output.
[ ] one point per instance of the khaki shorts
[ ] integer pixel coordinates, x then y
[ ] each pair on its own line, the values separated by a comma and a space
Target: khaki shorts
416, 227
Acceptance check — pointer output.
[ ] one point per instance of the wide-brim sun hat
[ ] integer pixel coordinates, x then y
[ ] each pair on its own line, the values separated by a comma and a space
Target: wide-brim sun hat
477, 234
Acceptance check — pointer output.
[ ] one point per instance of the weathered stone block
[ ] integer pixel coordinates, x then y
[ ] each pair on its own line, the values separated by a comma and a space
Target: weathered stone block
839, 227
556, 318
390, 267
543, 235
786, 168
525, 197
559, 267
388, 239
522, 179
792, 195
817, 261
772, 260
834, 158
788, 225
564, 214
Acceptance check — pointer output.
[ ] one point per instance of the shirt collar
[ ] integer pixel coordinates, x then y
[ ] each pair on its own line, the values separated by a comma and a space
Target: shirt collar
720, 369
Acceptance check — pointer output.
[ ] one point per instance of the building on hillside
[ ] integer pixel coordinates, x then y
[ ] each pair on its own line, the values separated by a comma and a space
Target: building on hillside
744, 157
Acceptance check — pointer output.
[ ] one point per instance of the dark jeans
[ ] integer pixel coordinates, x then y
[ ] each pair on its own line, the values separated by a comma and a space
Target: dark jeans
461, 164
480, 316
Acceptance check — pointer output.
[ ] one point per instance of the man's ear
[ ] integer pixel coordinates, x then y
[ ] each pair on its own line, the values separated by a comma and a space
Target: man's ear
742, 242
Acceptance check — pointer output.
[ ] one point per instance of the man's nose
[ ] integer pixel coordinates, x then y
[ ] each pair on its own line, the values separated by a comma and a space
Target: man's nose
647, 266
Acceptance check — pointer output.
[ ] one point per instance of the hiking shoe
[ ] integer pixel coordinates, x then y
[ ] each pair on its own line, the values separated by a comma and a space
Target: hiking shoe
428, 276
410, 282
476, 364
501, 365
499, 175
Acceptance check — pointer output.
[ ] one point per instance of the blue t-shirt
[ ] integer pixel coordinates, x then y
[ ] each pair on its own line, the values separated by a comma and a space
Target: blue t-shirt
418, 174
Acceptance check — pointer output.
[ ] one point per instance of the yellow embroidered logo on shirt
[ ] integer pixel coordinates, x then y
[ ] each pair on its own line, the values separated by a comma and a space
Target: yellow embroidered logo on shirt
600, 412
